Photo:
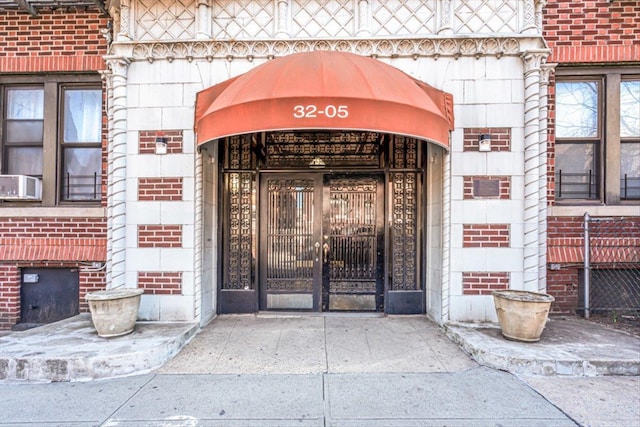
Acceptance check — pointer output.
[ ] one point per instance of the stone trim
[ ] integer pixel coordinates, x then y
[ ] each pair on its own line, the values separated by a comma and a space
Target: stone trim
433, 47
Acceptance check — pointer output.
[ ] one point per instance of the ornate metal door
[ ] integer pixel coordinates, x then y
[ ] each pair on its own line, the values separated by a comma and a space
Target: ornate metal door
321, 242
353, 239
291, 212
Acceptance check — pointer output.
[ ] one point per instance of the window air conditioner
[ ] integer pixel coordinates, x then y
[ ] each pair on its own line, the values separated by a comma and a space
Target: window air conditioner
20, 187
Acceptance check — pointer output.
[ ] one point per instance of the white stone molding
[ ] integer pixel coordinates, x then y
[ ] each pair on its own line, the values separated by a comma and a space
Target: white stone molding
446, 18
545, 73
282, 18
203, 20
540, 4
148, 19
117, 169
363, 19
446, 236
384, 48
198, 230
124, 28
529, 18
532, 66
108, 82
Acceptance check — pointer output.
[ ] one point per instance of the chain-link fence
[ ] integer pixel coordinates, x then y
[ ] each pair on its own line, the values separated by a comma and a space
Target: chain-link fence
611, 266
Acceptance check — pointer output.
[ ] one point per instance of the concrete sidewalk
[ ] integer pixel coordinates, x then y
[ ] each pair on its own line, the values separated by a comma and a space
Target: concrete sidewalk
70, 350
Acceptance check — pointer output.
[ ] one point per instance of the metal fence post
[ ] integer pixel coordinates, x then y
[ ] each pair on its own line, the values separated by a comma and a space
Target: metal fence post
587, 266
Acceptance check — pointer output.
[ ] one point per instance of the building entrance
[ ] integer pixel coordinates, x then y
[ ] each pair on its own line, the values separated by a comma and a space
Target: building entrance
323, 242
324, 221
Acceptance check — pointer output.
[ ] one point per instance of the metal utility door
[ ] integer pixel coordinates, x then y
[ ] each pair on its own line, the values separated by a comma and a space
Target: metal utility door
321, 242
48, 294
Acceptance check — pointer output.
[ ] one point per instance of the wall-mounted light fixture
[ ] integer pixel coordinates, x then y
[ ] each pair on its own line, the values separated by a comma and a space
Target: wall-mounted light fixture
317, 163
161, 144
484, 142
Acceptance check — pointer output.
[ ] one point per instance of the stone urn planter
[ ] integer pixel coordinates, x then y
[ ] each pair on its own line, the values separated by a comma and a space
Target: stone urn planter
522, 314
114, 311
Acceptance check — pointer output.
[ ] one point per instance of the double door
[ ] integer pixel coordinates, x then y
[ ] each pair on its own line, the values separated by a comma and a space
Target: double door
321, 242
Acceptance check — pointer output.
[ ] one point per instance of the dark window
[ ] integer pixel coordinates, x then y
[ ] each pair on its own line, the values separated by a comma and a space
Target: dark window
52, 130
597, 129
81, 144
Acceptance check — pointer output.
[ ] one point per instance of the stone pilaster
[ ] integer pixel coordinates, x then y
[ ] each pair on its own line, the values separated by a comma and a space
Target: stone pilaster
117, 170
532, 65
545, 73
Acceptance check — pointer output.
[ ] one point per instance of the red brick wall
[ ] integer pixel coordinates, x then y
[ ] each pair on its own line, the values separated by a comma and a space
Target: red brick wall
500, 138
481, 283
147, 141
485, 235
589, 31
9, 296
565, 255
504, 184
159, 189
159, 236
48, 242
160, 283
52, 41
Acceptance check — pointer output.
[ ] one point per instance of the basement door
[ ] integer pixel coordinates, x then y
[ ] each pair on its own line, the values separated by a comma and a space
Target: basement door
322, 242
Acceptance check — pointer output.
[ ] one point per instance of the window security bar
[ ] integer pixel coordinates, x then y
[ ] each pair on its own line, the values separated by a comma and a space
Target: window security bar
82, 187
576, 185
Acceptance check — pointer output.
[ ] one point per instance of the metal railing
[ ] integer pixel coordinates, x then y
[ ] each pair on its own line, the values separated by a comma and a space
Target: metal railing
611, 265
576, 185
630, 187
82, 187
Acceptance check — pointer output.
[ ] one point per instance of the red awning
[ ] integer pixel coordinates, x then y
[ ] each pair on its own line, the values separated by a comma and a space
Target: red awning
324, 90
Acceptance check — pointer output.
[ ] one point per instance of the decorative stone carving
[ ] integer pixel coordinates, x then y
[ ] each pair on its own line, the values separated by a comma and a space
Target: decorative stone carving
391, 48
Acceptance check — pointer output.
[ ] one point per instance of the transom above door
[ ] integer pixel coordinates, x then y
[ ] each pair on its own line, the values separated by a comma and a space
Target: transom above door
322, 241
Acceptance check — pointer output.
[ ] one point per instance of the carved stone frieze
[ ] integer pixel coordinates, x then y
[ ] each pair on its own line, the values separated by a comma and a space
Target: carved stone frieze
384, 48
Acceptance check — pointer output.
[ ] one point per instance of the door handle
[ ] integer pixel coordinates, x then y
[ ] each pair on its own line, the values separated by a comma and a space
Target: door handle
317, 246
325, 252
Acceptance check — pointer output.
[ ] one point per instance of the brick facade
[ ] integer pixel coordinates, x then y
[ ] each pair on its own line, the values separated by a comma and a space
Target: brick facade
159, 236
500, 138
147, 141
54, 41
482, 283
160, 189
472, 185
161, 282
592, 31
597, 33
485, 235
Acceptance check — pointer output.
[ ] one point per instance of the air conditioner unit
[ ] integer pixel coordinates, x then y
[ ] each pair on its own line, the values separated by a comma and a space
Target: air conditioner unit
20, 187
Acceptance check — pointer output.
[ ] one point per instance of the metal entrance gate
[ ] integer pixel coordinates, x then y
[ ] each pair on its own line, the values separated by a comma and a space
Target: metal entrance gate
327, 221
323, 242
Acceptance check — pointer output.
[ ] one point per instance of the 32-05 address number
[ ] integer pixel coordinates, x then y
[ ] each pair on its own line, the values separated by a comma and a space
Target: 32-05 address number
312, 111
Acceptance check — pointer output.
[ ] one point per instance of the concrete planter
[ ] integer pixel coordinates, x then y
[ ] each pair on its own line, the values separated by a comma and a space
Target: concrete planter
114, 311
522, 314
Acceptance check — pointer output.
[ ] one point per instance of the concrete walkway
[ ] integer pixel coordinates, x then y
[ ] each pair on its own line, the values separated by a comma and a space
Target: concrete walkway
318, 370
70, 350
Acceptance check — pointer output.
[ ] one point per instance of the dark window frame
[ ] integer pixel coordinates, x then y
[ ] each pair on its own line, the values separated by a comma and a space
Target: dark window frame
52, 168
610, 143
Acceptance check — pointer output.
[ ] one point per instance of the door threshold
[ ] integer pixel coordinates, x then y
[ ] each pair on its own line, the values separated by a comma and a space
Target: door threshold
286, 314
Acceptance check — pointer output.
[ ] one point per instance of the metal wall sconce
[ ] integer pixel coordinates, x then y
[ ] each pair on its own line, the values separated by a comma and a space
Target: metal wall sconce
161, 145
484, 142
